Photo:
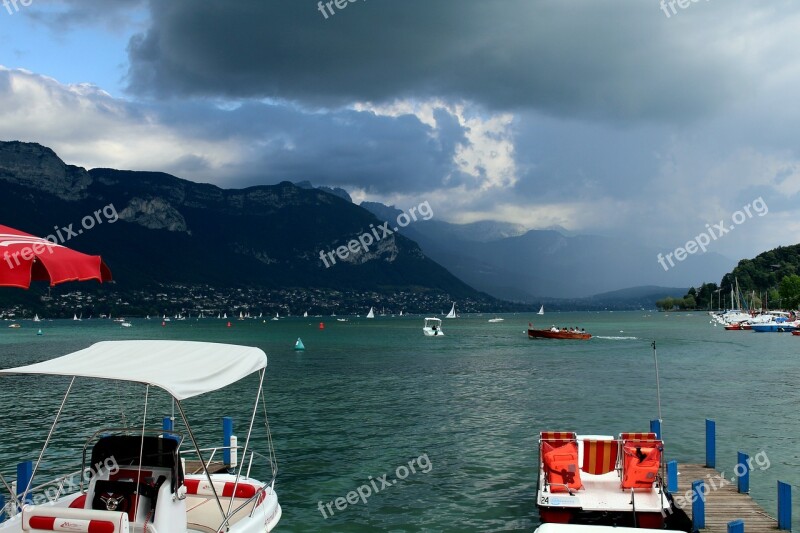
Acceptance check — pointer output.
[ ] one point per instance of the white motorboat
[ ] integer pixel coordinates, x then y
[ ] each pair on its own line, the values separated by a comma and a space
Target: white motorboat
433, 327
496, 319
588, 477
137, 482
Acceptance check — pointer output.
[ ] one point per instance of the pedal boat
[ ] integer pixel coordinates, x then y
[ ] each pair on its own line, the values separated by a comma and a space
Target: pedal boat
595, 479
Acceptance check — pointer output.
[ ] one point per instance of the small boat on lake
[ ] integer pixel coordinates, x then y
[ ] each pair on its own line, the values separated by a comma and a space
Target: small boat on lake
496, 319
558, 333
133, 478
433, 327
452, 313
595, 479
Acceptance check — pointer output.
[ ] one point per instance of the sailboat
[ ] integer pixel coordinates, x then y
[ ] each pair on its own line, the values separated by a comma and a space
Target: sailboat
276, 317
541, 310
225, 316
241, 316
75, 317
36, 318
371, 313
305, 314
452, 313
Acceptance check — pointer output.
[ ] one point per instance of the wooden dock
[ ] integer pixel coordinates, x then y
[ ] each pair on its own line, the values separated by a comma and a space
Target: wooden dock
214, 467
723, 503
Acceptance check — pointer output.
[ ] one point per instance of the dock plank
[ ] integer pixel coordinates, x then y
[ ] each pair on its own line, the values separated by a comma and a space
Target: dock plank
723, 502
214, 467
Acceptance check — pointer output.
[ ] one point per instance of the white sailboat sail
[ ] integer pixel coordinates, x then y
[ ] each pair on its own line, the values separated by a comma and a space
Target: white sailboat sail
371, 313
305, 314
541, 311
452, 313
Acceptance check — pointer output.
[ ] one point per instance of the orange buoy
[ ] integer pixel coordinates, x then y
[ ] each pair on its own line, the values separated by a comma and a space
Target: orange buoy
322, 325
163, 324
229, 324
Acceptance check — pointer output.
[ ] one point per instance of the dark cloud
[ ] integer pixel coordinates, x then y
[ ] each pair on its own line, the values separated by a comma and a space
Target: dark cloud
379, 154
61, 15
619, 59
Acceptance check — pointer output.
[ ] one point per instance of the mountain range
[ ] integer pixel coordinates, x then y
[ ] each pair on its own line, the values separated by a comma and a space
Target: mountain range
510, 263
172, 230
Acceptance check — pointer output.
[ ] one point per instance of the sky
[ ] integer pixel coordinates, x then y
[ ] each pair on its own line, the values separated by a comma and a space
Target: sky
636, 119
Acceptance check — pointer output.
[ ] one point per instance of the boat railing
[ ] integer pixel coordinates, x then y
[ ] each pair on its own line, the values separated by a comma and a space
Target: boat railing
51, 490
252, 456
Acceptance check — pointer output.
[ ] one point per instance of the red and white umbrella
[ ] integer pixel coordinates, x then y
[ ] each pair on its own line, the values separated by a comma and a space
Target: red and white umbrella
25, 258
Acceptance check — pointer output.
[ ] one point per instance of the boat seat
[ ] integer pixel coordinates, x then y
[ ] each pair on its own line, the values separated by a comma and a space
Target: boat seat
558, 438
640, 464
45, 518
599, 456
637, 436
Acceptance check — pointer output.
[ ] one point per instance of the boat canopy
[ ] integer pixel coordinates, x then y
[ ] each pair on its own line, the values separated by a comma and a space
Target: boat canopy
182, 368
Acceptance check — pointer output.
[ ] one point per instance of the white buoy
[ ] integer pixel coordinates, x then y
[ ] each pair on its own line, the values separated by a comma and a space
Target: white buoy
299, 344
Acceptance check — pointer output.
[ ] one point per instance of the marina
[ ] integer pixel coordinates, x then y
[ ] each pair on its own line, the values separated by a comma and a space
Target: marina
474, 401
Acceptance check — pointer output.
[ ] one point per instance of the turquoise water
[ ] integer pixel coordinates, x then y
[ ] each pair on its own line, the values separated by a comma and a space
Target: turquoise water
367, 397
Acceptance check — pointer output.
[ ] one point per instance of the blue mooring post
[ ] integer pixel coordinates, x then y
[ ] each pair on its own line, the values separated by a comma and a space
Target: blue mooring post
24, 475
784, 506
742, 471
2, 509
672, 477
698, 505
736, 526
227, 433
711, 443
655, 427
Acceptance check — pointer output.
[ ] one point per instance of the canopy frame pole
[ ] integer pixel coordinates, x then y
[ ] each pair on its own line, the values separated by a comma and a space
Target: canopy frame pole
273, 460
141, 443
47, 440
262, 372
200, 456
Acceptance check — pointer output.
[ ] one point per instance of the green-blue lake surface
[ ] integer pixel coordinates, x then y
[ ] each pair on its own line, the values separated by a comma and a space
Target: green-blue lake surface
368, 396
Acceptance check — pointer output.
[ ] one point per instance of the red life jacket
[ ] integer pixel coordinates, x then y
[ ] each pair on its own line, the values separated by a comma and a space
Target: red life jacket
561, 467
641, 463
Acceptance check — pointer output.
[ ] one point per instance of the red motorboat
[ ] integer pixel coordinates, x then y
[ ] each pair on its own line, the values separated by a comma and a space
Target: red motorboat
556, 333
796, 332
742, 326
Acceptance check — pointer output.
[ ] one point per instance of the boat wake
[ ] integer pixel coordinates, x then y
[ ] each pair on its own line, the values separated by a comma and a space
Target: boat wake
617, 338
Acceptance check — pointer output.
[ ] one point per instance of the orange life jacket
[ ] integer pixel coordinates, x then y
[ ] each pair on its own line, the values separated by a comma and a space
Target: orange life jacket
561, 467
641, 464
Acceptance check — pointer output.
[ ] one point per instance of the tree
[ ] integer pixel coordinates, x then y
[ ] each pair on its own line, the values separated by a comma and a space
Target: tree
689, 302
789, 290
